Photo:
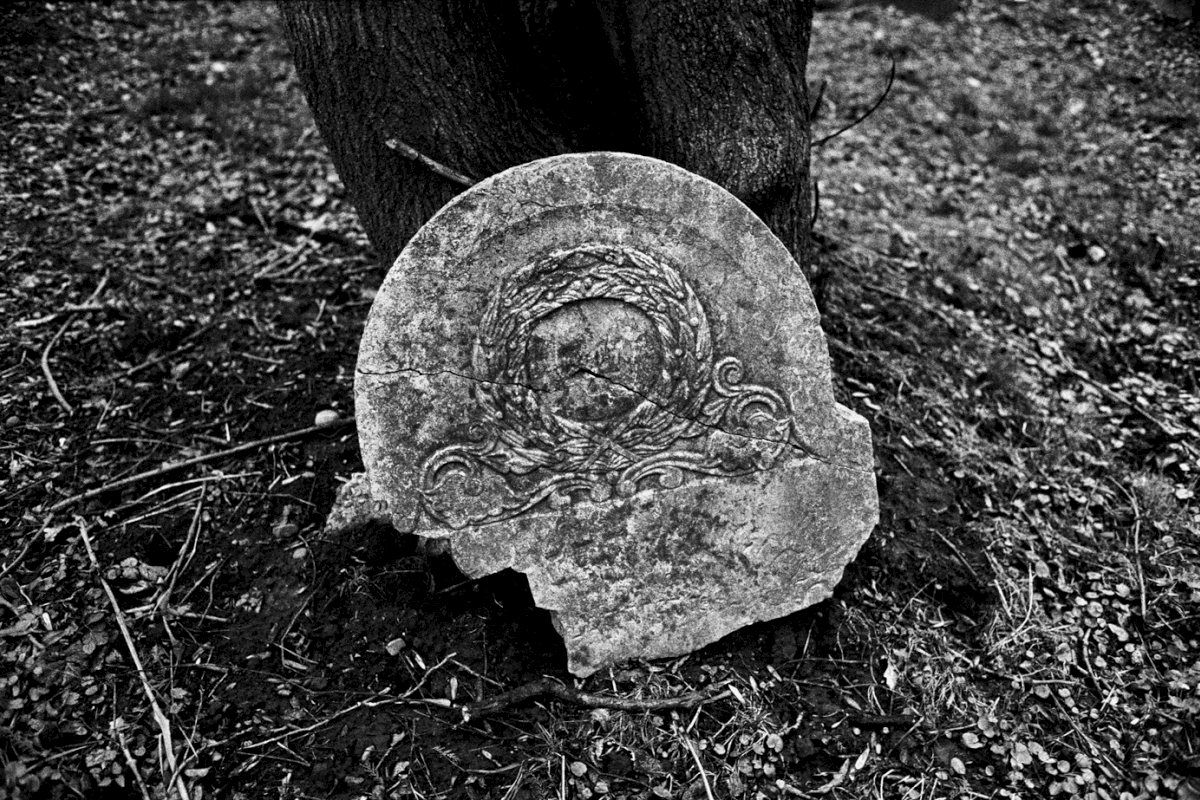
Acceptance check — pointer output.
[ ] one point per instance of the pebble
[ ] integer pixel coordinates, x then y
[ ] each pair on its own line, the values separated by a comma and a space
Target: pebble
327, 417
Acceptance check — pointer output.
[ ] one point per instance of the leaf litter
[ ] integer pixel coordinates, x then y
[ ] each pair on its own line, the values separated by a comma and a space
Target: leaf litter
1007, 260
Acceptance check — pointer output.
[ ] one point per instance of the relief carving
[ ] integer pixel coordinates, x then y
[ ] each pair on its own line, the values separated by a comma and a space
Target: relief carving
594, 368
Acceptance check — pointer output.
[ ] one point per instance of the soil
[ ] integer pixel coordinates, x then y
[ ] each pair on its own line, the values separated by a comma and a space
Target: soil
165, 163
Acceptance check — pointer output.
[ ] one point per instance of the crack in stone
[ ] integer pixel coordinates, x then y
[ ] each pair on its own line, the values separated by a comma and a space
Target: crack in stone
423, 373
796, 446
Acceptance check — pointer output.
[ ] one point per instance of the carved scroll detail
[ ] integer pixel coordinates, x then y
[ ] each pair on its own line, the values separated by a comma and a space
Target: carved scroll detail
697, 417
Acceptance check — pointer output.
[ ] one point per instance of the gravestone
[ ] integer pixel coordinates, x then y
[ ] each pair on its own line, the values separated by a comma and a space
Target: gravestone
605, 372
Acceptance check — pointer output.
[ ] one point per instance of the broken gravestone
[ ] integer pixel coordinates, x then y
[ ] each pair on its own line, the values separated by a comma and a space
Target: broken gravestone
605, 372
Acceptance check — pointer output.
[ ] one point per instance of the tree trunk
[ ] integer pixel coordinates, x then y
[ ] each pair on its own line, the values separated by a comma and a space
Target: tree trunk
715, 86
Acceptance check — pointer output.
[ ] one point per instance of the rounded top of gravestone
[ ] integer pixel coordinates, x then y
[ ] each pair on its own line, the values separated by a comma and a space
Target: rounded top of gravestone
575, 316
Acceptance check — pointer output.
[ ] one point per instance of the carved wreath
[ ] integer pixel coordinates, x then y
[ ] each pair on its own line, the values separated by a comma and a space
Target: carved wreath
698, 418
537, 436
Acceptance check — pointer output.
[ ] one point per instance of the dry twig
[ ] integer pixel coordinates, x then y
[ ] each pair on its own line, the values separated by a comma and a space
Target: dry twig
549, 686
164, 725
937, 312
1137, 548
69, 308
886, 91
187, 342
62, 401
132, 763
1171, 432
183, 559
1137, 554
421, 158
954, 549
700, 766
192, 462
371, 702
20, 557
516, 784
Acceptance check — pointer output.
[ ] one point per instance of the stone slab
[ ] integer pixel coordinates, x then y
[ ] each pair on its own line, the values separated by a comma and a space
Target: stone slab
605, 372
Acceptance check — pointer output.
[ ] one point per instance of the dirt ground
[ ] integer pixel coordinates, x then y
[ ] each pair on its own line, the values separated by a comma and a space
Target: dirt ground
1009, 268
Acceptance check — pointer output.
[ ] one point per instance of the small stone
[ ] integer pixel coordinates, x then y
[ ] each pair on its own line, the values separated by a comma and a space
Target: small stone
12, 421
285, 530
327, 417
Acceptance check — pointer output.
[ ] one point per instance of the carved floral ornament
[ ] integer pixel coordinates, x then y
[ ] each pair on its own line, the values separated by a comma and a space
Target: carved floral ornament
595, 371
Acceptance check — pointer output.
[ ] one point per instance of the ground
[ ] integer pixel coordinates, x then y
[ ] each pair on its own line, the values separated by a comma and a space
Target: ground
1009, 267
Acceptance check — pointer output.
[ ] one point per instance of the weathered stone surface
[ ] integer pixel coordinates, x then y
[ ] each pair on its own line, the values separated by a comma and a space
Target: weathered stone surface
605, 372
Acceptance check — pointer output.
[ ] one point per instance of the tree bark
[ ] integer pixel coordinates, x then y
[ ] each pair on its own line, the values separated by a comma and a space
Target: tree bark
715, 86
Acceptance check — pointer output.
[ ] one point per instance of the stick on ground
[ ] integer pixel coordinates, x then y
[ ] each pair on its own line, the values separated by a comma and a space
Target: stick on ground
1173, 433
699, 765
549, 686
440, 169
164, 725
19, 558
62, 401
191, 462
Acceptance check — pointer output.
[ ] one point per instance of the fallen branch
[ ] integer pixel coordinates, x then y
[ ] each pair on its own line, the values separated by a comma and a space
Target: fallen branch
1137, 546
132, 763
372, 702
549, 686
62, 401
53, 384
295, 256
1171, 432
69, 308
20, 557
954, 549
1137, 554
1021, 680
164, 726
380, 699
191, 462
937, 312
440, 169
187, 342
183, 559
700, 766
469, 711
